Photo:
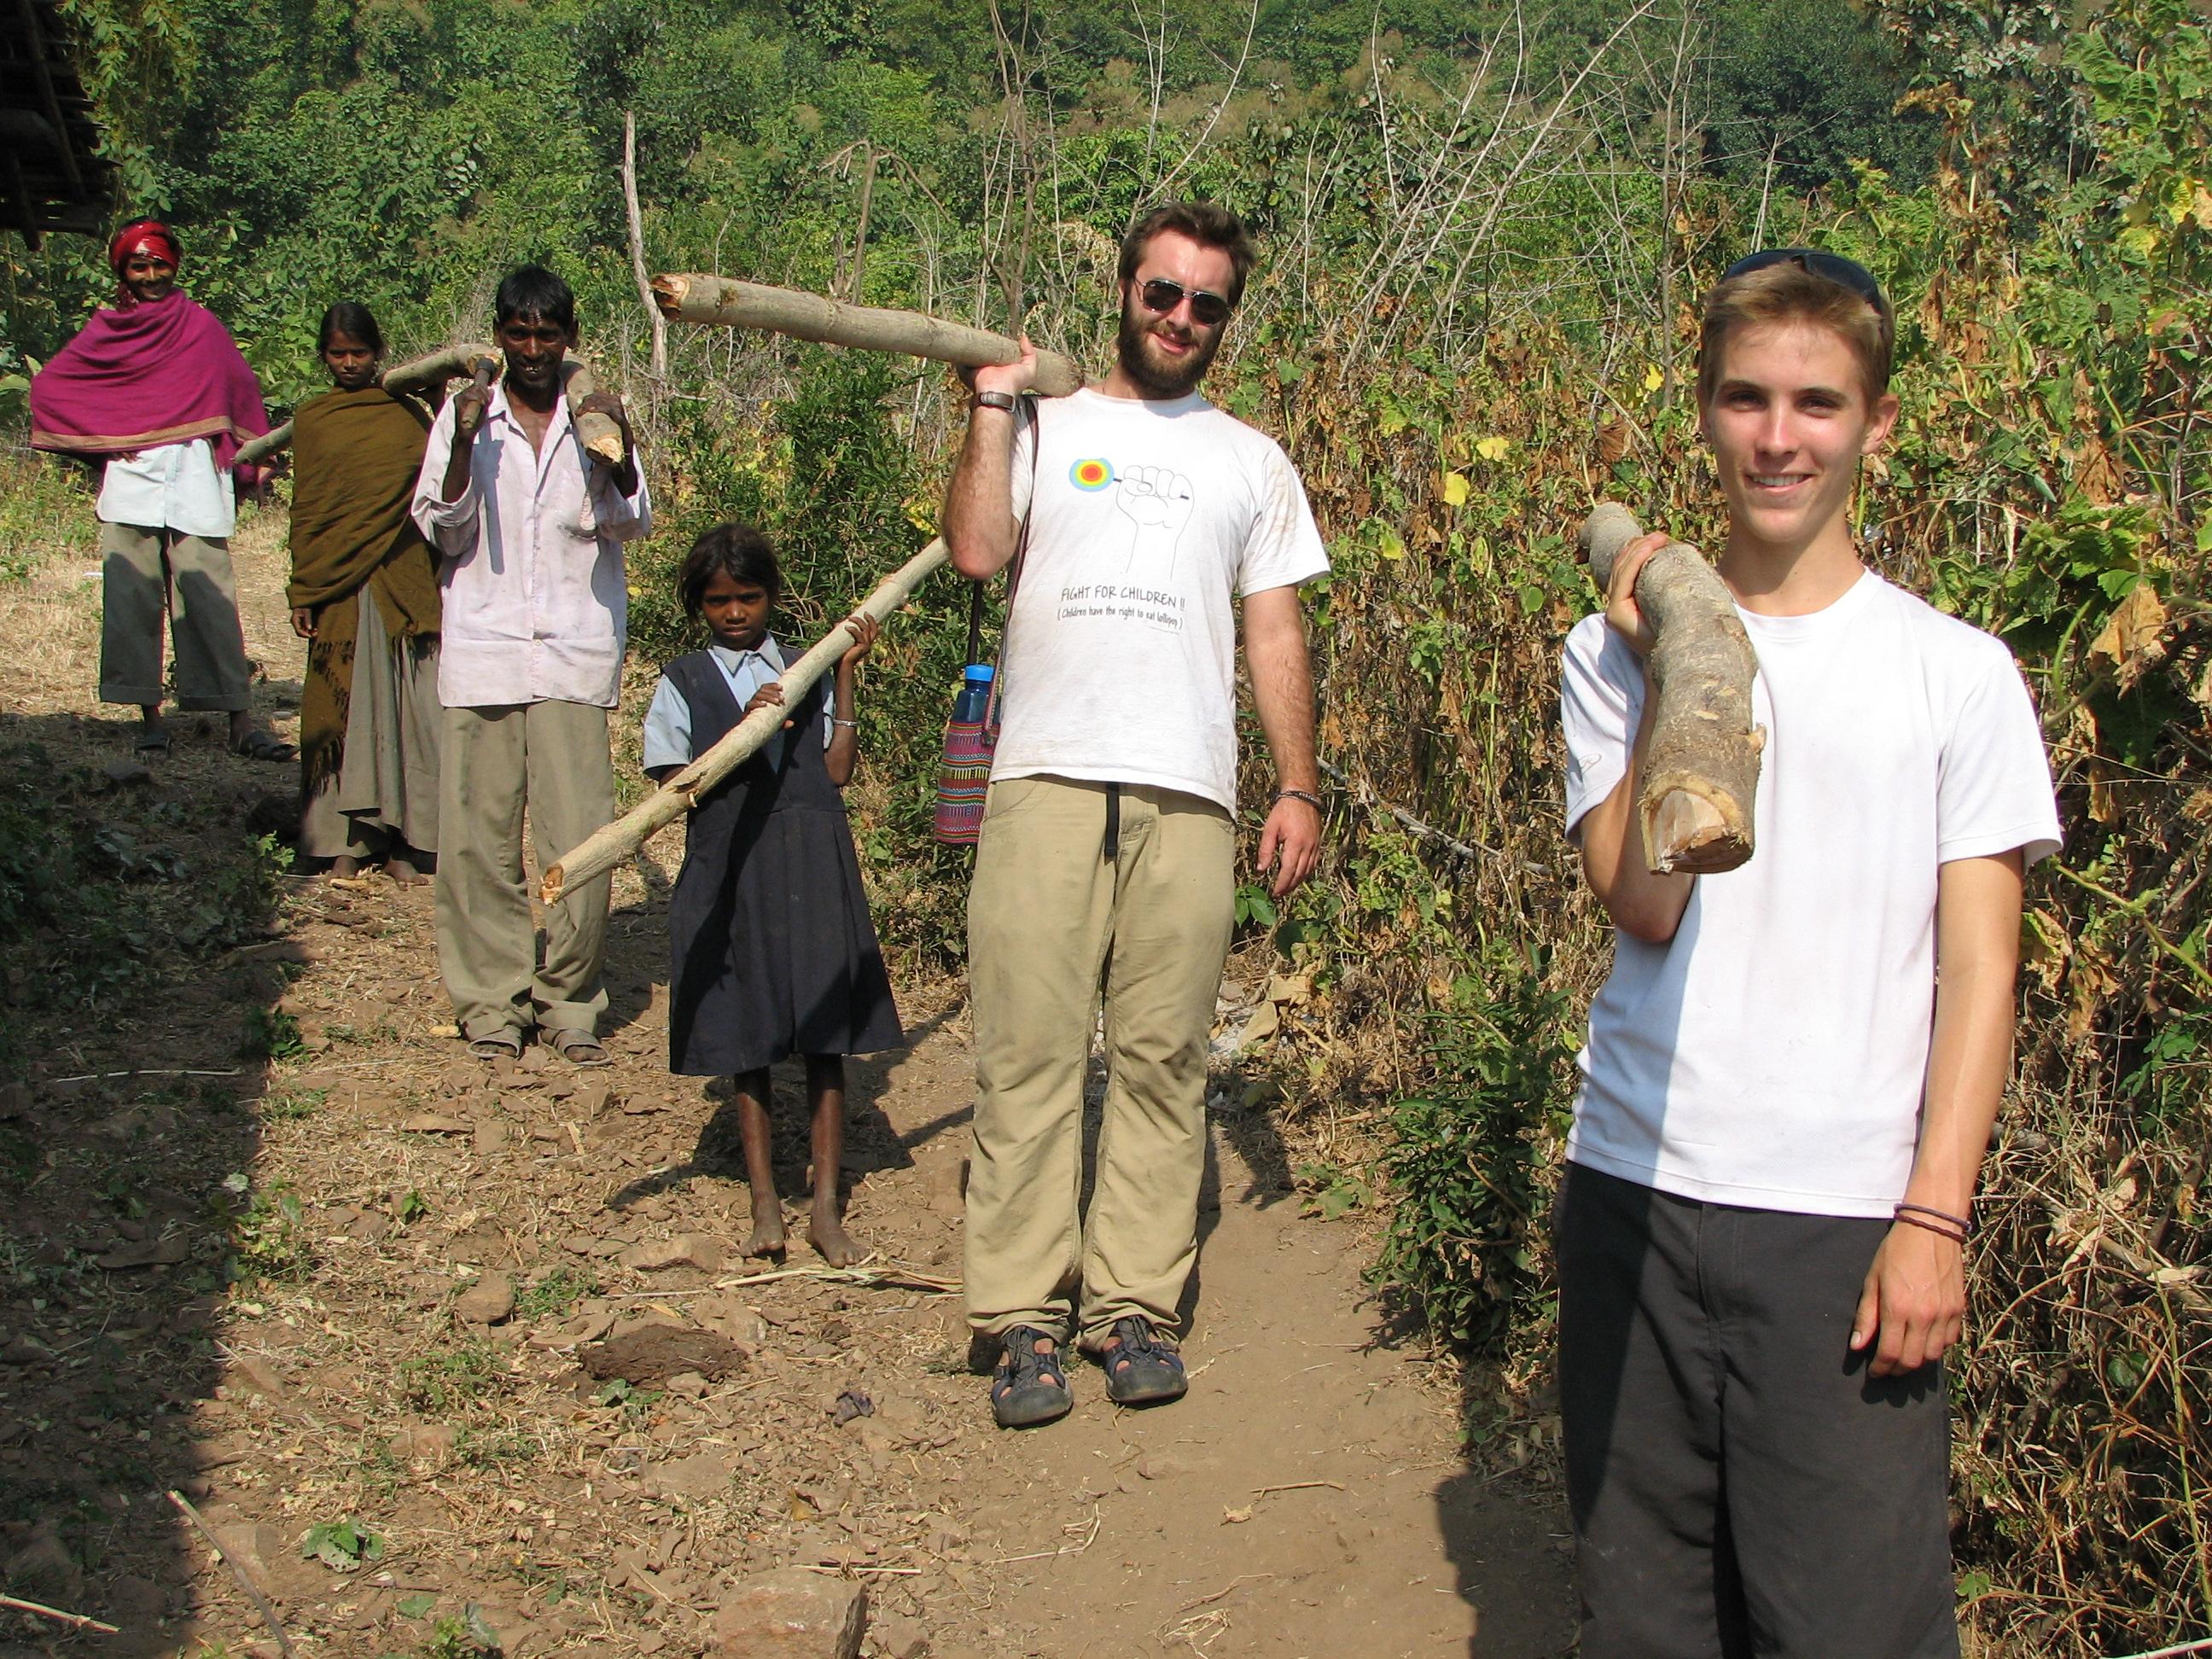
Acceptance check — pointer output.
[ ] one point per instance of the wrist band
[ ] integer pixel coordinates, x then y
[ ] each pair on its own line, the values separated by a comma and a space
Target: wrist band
1309, 798
834, 721
1959, 1222
1956, 1235
1004, 400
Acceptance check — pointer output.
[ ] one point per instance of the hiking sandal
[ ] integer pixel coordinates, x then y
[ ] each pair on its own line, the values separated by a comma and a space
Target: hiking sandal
1141, 1370
1029, 1388
578, 1047
261, 745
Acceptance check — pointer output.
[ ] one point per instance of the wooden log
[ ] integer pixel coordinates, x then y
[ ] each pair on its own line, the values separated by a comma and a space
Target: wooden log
1701, 761
598, 433
691, 298
608, 845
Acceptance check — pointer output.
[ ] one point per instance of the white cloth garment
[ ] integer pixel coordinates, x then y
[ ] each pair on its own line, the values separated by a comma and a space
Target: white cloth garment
537, 608
666, 738
1773, 1054
1120, 655
170, 487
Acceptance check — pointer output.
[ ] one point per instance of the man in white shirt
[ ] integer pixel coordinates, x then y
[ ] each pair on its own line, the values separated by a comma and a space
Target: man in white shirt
1106, 859
1783, 1109
530, 529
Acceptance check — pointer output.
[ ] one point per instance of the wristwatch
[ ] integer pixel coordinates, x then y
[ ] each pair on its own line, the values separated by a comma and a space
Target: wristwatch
993, 400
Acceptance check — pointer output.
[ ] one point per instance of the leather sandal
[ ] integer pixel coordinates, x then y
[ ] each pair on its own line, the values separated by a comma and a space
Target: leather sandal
1029, 1388
505, 1044
578, 1047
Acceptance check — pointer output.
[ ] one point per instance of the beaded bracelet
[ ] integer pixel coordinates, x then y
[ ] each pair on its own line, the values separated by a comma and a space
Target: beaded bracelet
1308, 797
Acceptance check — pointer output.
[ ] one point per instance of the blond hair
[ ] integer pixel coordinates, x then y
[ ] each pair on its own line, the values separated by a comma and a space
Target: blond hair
1786, 292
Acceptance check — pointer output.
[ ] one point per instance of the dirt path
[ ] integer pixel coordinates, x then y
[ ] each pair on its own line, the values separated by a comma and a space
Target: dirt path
387, 1196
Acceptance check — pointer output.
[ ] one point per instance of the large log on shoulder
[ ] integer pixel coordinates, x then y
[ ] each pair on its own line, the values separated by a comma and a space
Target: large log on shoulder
597, 433
1701, 761
606, 847
691, 298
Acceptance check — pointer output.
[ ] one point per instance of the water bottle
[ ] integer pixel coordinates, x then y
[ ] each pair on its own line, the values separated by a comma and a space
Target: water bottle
975, 694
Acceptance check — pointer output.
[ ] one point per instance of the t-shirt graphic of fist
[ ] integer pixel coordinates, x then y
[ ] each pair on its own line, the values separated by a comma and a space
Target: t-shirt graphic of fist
1158, 503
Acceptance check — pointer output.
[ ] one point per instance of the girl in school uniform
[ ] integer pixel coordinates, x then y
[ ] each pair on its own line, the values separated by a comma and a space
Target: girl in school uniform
774, 953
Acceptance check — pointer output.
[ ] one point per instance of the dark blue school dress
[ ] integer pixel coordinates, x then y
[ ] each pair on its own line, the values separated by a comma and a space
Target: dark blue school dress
774, 953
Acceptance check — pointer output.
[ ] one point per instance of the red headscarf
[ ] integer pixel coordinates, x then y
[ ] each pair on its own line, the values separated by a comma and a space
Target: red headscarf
149, 236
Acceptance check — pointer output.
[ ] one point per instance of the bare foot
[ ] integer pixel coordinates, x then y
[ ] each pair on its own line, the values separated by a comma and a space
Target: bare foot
768, 1228
831, 1242
400, 867
342, 866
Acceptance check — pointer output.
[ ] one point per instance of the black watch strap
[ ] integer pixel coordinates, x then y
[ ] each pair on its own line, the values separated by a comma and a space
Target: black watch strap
993, 400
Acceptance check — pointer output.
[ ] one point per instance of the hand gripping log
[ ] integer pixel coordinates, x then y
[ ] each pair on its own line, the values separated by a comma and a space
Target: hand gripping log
1701, 761
695, 299
598, 434
606, 847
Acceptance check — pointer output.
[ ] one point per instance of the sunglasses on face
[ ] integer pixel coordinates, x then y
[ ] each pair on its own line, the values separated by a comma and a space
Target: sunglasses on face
1161, 297
1831, 267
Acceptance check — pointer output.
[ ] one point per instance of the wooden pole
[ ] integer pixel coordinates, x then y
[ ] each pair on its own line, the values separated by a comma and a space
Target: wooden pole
690, 298
598, 434
635, 218
1701, 763
608, 845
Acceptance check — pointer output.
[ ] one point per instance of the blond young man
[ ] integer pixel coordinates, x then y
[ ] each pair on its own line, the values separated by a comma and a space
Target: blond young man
1783, 1108
1106, 871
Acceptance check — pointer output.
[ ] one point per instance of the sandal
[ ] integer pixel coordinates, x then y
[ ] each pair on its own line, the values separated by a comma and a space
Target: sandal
1142, 1368
1029, 1388
578, 1047
505, 1043
155, 742
262, 744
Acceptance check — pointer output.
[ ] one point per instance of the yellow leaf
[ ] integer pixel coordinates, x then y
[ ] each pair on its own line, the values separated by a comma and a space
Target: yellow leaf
1392, 547
1653, 379
1454, 489
2135, 638
1492, 449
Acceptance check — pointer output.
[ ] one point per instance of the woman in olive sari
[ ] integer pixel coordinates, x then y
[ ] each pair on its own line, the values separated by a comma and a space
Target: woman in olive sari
364, 595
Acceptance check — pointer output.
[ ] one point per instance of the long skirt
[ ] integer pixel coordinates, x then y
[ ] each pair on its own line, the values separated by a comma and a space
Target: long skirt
386, 788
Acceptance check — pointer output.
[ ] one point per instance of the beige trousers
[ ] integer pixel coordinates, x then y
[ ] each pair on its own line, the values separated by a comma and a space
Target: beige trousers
552, 757
1052, 925
385, 794
144, 571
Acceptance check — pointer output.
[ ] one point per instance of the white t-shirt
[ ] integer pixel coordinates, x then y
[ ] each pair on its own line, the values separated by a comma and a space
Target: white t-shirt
1120, 656
1772, 1055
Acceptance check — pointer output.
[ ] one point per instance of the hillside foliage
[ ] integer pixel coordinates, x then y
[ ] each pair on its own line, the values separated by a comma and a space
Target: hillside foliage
1485, 230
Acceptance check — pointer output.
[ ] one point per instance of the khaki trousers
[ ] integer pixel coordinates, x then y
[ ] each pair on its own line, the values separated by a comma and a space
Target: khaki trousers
144, 571
1051, 923
553, 756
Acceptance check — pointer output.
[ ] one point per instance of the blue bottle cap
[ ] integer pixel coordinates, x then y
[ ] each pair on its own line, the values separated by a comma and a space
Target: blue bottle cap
980, 673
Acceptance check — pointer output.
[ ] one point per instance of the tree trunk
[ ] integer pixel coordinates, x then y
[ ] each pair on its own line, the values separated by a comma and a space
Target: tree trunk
636, 221
1701, 762
695, 299
599, 434
606, 847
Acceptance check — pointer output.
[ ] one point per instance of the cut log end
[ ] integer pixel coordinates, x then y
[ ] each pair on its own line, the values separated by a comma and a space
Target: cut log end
668, 292
549, 884
1688, 834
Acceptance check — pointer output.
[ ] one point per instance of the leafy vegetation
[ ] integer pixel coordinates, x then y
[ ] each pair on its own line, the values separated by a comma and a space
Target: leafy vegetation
1484, 246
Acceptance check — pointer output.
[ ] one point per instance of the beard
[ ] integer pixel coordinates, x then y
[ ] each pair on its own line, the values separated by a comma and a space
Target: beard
1160, 380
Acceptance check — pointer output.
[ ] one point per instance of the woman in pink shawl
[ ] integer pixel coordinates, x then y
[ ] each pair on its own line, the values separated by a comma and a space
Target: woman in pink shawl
156, 388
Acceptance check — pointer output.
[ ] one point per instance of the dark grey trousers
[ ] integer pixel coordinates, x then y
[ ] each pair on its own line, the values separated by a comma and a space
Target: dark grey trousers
1740, 1485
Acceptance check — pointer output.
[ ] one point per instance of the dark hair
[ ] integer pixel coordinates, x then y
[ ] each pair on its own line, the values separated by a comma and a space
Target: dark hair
534, 291
739, 551
1207, 223
349, 317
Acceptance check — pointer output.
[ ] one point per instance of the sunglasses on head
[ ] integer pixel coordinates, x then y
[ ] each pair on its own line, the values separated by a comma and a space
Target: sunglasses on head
1832, 267
1162, 296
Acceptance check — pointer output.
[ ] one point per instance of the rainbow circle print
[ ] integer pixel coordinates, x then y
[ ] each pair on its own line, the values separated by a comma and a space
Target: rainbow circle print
1091, 477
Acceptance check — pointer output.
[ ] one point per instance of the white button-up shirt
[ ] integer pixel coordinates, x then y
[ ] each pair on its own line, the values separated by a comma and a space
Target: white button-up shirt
537, 606
170, 487
665, 738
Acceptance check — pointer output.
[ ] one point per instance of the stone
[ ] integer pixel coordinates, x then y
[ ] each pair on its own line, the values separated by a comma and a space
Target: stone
490, 1137
44, 1564
902, 1637
136, 1601
698, 1250
436, 1123
701, 1475
490, 1301
256, 1545
790, 1614
124, 773
422, 1443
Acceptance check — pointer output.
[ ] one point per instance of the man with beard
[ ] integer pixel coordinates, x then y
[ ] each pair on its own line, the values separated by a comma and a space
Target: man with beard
1135, 513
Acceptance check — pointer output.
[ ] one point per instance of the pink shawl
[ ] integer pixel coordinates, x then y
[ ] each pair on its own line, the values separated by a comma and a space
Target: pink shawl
143, 376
